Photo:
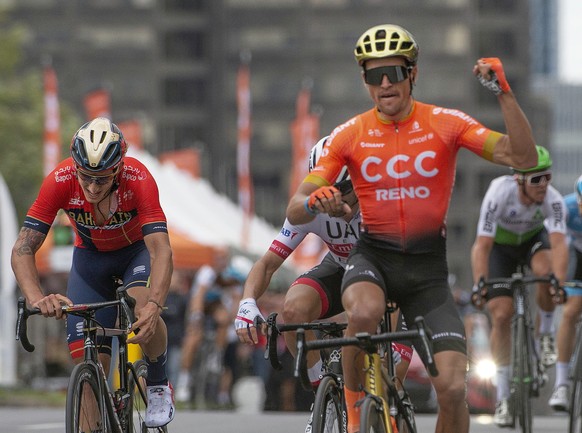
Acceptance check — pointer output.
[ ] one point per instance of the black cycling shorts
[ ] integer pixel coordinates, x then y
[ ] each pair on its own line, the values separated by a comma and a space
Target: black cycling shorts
418, 283
505, 260
326, 279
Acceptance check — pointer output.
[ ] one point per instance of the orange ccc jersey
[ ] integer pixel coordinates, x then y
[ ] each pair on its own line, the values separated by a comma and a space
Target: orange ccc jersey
403, 172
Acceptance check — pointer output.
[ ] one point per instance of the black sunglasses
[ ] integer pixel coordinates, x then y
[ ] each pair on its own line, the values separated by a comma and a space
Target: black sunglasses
98, 180
395, 74
538, 178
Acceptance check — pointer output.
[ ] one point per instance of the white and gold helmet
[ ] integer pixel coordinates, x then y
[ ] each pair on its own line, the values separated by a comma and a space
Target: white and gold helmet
98, 145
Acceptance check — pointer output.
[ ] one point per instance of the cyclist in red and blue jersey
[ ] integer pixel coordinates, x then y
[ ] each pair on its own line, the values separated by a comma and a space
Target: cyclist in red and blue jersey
112, 202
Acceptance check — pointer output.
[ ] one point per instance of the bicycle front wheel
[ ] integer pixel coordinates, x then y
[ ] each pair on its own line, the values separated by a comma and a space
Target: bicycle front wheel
137, 406
372, 417
575, 425
85, 407
523, 377
405, 421
328, 408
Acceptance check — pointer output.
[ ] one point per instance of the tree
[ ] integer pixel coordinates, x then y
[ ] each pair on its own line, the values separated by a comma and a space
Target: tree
22, 119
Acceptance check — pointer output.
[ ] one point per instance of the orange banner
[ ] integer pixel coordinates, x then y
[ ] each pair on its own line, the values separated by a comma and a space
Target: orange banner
52, 121
245, 183
131, 130
185, 159
97, 104
304, 134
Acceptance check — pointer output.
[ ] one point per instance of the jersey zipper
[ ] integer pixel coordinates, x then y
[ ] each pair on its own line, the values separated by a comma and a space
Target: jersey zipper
400, 186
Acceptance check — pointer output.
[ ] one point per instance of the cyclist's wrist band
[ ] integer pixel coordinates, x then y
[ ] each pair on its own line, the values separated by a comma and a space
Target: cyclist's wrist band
157, 304
309, 210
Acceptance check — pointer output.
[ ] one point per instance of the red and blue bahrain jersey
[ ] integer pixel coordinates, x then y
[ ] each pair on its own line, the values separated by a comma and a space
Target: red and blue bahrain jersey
138, 211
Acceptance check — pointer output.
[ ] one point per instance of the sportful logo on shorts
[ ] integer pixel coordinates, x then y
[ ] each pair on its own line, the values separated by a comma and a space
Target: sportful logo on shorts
139, 270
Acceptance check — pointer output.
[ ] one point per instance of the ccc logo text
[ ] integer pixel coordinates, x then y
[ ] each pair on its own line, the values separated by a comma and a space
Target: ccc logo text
400, 166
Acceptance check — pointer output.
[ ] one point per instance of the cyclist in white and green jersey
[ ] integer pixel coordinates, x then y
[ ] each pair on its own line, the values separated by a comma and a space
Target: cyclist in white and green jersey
522, 223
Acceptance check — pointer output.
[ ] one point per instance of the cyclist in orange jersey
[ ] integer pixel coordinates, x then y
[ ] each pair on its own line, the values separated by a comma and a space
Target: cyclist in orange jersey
401, 157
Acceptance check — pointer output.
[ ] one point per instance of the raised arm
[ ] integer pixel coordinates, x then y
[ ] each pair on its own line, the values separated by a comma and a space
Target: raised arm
517, 147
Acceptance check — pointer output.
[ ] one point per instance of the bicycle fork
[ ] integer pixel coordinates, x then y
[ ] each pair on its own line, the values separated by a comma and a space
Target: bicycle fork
107, 397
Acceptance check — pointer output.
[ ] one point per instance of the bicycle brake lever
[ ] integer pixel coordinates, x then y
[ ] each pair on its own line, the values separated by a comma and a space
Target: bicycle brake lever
425, 337
271, 349
21, 326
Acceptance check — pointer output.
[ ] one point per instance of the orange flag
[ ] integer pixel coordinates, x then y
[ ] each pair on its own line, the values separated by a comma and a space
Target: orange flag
97, 104
245, 183
131, 130
304, 134
52, 121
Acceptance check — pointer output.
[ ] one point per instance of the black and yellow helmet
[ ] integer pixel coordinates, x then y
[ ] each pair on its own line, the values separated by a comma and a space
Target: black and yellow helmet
386, 40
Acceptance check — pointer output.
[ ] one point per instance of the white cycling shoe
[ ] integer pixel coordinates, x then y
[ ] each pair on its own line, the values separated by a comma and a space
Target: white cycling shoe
161, 408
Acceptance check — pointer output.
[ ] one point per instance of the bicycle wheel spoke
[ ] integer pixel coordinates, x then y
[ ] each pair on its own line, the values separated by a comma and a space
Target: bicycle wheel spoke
85, 409
327, 407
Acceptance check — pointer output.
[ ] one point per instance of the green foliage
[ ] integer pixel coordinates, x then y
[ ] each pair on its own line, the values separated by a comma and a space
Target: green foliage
22, 121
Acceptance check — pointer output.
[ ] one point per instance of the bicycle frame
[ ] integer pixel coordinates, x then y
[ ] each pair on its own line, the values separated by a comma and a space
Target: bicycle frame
376, 377
527, 374
117, 404
330, 389
575, 374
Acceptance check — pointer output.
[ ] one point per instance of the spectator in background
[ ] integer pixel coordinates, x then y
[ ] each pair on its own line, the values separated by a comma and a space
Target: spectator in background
175, 317
206, 301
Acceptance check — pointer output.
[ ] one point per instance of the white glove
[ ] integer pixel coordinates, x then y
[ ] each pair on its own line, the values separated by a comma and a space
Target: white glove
247, 311
396, 356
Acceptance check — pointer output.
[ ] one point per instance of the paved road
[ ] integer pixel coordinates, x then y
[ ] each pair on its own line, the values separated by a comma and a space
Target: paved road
35, 420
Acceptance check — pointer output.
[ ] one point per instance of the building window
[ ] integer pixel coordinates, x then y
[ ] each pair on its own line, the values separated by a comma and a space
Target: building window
497, 6
184, 45
500, 42
185, 5
184, 91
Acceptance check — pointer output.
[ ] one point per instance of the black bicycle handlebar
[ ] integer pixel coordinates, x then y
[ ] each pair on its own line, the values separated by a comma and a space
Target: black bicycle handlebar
517, 279
21, 324
126, 302
274, 330
368, 342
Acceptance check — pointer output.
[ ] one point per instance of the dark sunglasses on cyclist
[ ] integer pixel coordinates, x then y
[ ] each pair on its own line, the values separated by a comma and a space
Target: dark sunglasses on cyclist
345, 186
395, 74
98, 180
539, 178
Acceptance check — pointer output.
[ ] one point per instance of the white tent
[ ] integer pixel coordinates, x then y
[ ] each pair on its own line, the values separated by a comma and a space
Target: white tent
194, 208
8, 233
